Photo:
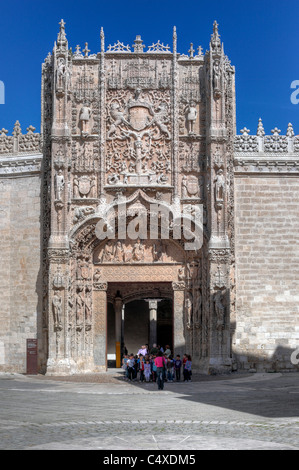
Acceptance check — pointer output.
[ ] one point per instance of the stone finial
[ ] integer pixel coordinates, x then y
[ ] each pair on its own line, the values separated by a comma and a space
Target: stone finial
3, 132
276, 131
245, 131
199, 51
17, 129
138, 44
30, 130
290, 130
102, 35
260, 129
215, 39
174, 38
61, 39
191, 51
86, 50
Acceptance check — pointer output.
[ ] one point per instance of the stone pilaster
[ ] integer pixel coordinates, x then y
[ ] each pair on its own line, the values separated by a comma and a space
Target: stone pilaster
179, 333
100, 326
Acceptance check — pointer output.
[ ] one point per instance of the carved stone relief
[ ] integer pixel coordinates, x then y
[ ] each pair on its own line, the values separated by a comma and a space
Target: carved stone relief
138, 139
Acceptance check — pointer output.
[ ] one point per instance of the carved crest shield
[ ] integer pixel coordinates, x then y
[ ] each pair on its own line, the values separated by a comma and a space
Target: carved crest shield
139, 117
84, 185
85, 271
193, 186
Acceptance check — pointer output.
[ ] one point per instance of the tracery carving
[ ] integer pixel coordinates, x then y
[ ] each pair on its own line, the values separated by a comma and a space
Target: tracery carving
138, 147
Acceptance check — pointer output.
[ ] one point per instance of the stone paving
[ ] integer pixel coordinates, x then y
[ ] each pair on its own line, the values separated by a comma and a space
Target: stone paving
253, 411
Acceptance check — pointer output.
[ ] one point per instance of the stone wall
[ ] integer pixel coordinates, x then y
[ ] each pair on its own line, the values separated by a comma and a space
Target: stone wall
267, 270
20, 312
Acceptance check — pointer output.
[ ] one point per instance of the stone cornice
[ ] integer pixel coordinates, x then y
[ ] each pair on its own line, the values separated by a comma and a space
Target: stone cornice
20, 165
270, 163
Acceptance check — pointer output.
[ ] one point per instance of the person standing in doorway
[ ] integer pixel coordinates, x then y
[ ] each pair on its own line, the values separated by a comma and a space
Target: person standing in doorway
177, 366
188, 369
160, 364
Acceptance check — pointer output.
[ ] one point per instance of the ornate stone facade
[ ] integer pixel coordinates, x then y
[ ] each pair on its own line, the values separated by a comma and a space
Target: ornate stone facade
136, 126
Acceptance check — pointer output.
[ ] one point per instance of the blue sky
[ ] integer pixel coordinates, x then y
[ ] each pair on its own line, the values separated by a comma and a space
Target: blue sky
260, 37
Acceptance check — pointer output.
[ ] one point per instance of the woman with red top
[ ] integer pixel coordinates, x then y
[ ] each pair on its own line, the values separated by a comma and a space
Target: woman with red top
160, 363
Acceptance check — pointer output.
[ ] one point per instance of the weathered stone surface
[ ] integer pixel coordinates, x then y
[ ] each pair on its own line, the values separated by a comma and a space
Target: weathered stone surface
20, 313
267, 260
123, 130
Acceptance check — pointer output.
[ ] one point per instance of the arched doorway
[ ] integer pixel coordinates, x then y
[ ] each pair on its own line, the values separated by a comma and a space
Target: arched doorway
138, 314
139, 327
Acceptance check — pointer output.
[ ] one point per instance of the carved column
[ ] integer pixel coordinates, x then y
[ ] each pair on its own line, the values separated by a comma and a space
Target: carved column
220, 114
100, 326
118, 307
59, 360
153, 315
179, 338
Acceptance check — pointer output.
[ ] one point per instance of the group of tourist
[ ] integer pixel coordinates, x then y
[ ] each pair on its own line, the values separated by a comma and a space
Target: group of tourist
156, 365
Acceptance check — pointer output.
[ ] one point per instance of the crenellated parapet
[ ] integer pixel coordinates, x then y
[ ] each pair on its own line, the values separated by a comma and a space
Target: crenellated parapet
20, 153
262, 153
19, 143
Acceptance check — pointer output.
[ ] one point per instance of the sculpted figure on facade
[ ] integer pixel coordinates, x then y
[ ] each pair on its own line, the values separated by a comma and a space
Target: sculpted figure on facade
219, 188
84, 118
219, 308
191, 116
189, 310
88, 307
61, 74
59, 185
138, 251
197, 308
119, 252
80, 308
57, 310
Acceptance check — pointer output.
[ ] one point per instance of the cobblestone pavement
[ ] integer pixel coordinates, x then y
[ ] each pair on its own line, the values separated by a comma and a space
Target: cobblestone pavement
256, 411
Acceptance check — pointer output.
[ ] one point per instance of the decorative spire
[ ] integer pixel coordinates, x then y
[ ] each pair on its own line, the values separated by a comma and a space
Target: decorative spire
61, 39
245, 131
276, 131
290, 130
17, 129
174, 38
215, 39
260, 129
3, 132
86, 50
138, 44
102, 40
191, 51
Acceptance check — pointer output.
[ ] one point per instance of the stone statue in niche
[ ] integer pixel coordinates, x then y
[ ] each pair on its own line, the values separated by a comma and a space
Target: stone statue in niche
189, 309
197, 308
219, 306
57, 310
191, 116
138, 251
107, 253
61, 74
219, 188
84, 118
88, 307
59, 185
184, 187
216, 79
118, 252
80, 307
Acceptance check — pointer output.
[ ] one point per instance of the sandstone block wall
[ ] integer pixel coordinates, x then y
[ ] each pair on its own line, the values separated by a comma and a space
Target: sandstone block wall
267, 271
20, 282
